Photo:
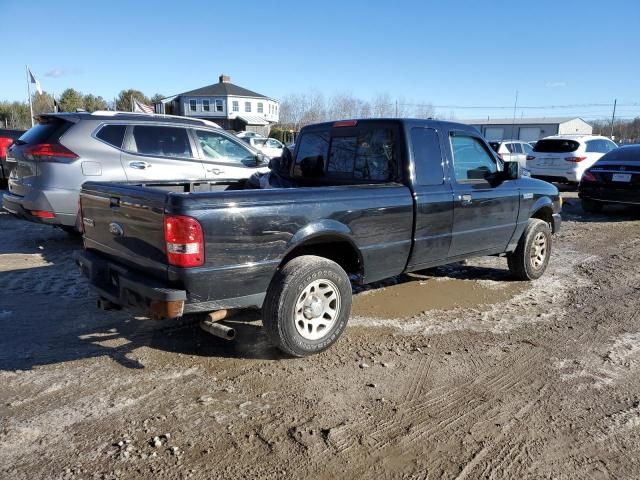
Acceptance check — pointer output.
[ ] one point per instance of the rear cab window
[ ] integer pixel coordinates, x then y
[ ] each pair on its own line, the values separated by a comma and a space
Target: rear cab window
556, 146
365, 153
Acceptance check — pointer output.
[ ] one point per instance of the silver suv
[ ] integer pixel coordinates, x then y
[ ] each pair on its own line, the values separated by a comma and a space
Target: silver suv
55, 157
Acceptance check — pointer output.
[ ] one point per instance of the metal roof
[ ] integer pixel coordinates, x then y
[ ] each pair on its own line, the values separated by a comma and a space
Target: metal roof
521, 121
222, 89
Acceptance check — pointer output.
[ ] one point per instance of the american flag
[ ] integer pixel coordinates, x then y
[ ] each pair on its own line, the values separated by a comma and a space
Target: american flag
141, 107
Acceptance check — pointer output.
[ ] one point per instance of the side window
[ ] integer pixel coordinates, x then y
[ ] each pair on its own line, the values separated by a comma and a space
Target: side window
273, 143
219, 106
427, 156
517, 147
593, 146
205, 105
312, 155
161, 141
511, 147
528, 149
472, 163
192, 105
220, 148
235, 106
247, 107
112, 134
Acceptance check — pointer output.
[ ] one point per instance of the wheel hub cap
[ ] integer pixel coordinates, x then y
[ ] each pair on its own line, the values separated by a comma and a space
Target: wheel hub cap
317, 309
539, 250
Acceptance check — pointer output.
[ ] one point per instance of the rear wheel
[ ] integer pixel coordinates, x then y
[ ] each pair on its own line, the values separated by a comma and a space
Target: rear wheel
531, 256
307, 305
591, 206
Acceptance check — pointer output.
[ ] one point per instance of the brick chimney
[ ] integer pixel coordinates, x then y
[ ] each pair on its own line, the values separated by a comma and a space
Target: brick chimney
224, 78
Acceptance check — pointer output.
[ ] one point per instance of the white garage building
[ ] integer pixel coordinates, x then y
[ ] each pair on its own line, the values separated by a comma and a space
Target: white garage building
529, 129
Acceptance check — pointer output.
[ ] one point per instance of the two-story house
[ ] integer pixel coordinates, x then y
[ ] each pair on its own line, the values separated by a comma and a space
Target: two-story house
230, 106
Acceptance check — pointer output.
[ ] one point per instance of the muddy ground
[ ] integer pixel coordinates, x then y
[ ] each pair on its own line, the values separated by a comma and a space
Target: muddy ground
456, 372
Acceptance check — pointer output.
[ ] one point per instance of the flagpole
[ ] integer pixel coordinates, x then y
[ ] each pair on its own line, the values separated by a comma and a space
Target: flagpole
29, 92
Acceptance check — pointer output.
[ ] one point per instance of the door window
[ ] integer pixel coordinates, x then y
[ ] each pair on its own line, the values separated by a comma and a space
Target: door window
471, 161
427, 156
273, 143
112, 134
161, 141
220, 148
528, 149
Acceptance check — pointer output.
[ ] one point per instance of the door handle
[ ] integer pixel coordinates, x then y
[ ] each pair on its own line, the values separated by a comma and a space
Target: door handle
139, 165
215, 171
465, 199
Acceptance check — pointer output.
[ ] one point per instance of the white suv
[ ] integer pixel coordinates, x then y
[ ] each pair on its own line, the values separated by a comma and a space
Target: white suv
513, 151
564, 158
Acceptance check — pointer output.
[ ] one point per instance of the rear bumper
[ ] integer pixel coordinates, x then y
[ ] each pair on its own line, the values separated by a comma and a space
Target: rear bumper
22, 208
127, 289
610, 194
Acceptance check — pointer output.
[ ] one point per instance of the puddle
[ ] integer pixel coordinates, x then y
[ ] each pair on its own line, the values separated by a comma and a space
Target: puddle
416, 296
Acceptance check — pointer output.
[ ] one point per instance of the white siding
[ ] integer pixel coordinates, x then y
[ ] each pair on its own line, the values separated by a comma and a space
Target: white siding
577, 125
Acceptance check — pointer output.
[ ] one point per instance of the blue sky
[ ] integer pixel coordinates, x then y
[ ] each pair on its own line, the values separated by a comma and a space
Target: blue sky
464, 53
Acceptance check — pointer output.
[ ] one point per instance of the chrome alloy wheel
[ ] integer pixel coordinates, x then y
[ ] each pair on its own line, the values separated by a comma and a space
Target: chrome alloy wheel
317, 309
539, 250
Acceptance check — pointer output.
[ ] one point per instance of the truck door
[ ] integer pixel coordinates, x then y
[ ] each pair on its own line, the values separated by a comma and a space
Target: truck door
485, 212
433, 199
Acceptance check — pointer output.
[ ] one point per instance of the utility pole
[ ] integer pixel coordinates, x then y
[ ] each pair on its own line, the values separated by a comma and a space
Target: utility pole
613, 116
396, 108
513, 123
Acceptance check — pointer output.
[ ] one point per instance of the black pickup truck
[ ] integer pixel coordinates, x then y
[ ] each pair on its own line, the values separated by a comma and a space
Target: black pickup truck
358, 201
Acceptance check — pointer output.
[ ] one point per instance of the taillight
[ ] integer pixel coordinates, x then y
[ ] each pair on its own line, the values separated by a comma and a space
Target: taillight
42, 214
530, 157
184, 241
49, 152
345, 123
575, 159
588, 177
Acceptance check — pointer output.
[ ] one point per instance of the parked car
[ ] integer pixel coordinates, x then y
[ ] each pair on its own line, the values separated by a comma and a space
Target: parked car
564, 158
7, 137
615, 178
64, 150
370, 199
246, 134
269, 146
512, 150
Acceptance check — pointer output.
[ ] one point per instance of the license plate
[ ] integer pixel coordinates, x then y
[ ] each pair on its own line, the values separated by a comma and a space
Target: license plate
621, 177
549, 161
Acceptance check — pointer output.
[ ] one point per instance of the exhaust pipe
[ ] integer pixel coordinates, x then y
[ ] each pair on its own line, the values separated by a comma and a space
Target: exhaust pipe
217, 329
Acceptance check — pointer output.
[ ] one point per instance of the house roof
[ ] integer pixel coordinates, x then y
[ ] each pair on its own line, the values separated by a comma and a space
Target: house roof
253, 120
222, 89
522, 121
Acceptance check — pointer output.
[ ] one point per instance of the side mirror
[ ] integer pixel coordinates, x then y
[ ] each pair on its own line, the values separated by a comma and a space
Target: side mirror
261, 159
512, 170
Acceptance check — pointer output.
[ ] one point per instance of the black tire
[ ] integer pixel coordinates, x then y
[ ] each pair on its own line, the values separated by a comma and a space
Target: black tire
284, 324
591, 206
523, 265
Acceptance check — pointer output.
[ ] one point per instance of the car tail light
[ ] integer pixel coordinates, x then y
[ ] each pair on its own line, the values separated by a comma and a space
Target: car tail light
345, 123
575, 159
530, 157
42, 214
184, 241
588, 177
49, 152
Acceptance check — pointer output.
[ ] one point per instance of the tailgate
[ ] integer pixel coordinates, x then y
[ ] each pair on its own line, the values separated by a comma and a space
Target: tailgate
127, 224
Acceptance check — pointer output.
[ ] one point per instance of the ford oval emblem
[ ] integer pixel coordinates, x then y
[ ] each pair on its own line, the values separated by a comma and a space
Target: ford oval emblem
116, 229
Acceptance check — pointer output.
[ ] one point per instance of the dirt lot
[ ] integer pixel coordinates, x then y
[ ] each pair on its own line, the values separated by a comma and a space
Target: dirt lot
454, 373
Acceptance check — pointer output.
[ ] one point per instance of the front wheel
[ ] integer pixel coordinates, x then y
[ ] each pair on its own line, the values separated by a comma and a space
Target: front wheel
530, 258
307, 305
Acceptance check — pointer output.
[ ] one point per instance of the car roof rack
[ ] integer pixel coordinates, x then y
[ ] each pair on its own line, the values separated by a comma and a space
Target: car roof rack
115, 113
